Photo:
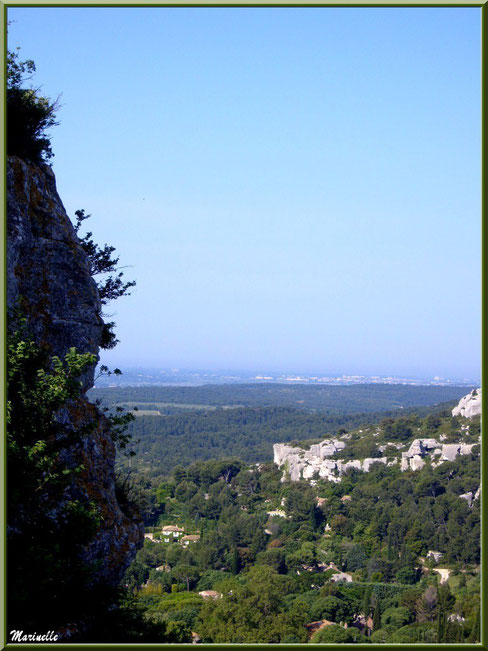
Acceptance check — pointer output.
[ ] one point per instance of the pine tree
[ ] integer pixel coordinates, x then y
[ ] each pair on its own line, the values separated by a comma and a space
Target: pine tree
367, 603
441, 626
235, 565
390, 554
377, 616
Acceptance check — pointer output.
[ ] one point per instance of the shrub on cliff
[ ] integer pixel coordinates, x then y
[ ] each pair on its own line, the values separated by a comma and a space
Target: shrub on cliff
29, 114
48, 523
104, 264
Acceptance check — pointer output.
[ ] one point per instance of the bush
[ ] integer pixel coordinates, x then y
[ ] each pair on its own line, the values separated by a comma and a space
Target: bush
380, 636
417, 632
48, 525
396, 617
335, 634
29, 114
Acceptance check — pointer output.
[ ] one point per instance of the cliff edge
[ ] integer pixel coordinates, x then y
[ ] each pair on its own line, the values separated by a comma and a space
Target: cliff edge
50, 286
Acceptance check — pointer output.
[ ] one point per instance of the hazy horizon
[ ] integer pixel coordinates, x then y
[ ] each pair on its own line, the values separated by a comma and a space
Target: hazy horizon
266, 374
291, 188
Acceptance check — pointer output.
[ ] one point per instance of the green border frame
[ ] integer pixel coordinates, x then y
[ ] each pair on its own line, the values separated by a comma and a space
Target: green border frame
483, 5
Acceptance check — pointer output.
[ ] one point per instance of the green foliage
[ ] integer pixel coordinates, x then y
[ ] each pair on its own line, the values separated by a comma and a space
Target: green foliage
396, 617
103, 263
252, 611
195, 423
111, 286
416, 632
378, 535
29, 114
338, 635
363, 403
48, 525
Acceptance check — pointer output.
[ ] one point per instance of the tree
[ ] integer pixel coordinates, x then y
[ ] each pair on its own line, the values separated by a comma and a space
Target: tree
186, 574
29, 114
235, 564
255, 611
335, 634
356, 558
102, 263
49, 523
426, 605
112, 285
331, 608
377, 615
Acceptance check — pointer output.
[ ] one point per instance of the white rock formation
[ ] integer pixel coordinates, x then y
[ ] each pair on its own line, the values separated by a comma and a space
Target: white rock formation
339, 577
470, 405
451, 450
367, 463
468, 497
303, 464
413, 459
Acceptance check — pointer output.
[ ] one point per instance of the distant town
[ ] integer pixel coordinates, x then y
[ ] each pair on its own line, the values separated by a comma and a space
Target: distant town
186, 377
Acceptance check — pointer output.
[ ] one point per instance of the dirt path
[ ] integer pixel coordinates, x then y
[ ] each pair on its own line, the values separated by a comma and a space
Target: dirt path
444, 574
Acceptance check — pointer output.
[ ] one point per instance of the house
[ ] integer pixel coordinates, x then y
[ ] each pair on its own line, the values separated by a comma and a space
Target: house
186, 540
436, 556
163, 568
346, 498
149, 536
171, 532
365, 625
210, 594
323, 567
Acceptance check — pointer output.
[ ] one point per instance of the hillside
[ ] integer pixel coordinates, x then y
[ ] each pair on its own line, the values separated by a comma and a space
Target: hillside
169, 430
389, 555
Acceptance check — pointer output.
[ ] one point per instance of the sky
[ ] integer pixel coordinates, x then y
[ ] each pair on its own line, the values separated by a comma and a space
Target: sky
293, 189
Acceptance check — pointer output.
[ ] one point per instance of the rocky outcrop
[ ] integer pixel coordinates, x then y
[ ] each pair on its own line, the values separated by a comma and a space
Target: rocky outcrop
414, 457
470, 497
469, 406
48, 275
315, 462
49, 284
299, 463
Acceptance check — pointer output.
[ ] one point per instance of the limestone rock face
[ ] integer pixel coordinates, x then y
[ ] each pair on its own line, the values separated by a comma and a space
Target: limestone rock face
413, 458
469, 406
300, 464
304, 464
48, 280
468, 497
48, 276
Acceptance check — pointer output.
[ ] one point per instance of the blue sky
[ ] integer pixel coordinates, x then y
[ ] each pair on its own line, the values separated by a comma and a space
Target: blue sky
293, 189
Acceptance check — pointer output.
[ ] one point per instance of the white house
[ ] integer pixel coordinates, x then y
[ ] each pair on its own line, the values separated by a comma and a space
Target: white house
186, 540
171, 532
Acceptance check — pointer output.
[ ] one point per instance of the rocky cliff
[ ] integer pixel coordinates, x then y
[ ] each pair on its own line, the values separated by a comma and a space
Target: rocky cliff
469, 406
49, 284
299, 463
304, 464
